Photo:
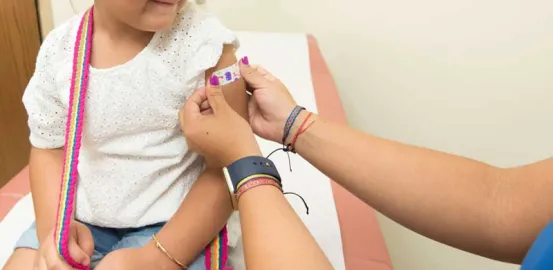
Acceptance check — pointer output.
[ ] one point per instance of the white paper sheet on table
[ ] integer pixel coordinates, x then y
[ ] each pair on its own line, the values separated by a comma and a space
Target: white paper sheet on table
287, 57
13, 225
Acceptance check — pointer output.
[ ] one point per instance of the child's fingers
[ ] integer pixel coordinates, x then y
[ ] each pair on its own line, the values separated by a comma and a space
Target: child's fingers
85, 240
52, 260
77, 254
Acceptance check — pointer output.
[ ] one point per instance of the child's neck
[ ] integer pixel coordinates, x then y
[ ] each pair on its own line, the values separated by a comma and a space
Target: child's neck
115, 42
109, 26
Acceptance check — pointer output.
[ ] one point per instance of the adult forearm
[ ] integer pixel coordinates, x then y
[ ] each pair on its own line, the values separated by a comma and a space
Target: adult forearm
274, 235
202, 214
451, 199
45, 175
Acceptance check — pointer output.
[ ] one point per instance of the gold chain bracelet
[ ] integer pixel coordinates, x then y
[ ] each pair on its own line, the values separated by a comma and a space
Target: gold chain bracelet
162, 249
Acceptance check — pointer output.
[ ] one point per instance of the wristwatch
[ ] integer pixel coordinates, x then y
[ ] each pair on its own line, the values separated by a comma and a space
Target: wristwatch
245, 168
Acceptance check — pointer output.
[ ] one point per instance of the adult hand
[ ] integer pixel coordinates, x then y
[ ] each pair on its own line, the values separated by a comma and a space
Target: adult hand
219, 134
271, 102
81, 247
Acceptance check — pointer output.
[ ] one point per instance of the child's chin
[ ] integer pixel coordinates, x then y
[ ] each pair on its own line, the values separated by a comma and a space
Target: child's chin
158, 24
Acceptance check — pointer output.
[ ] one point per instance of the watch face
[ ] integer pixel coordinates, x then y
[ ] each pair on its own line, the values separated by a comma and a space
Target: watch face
231, 189
229, 181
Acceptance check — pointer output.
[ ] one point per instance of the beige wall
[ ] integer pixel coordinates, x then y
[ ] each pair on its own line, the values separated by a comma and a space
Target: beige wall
468, 77
46, 16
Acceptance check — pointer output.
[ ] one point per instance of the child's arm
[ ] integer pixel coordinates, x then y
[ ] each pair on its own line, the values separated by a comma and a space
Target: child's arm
45, 175
207, 207
46, 120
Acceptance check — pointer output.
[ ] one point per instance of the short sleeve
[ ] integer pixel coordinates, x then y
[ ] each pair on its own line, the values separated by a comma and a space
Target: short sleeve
214, 36
45, 110
217, 36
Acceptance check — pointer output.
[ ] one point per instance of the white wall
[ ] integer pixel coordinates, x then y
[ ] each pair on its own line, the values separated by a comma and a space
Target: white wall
468, 77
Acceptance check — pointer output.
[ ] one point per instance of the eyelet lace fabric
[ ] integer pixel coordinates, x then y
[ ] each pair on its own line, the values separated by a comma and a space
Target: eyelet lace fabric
135, 168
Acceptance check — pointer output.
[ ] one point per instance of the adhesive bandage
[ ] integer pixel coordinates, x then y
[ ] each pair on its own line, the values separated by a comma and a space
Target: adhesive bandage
228, 75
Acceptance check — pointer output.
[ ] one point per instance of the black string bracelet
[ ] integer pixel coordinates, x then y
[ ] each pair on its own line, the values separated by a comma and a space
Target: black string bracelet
303, 200
286, 149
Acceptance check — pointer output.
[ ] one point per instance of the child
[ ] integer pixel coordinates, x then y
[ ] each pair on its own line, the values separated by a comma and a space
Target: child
136, 177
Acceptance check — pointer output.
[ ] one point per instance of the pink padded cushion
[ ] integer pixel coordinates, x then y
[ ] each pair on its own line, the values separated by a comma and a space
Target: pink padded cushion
362, 239
14, 190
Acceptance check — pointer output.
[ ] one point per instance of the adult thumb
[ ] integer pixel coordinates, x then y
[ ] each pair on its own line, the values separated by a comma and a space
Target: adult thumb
252, 76
215, 95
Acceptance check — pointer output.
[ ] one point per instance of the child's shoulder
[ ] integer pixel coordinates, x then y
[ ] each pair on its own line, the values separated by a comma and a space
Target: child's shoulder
61, 39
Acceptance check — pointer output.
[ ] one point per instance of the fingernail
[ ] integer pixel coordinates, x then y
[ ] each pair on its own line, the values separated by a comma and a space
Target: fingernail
214, 81
245, 60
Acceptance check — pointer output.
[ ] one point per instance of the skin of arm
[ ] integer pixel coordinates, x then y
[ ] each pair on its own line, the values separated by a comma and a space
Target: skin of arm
489, 211
273, 234
274, 237
45, 176
185, 240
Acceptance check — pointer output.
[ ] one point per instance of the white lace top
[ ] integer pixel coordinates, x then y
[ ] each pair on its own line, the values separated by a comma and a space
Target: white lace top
134, 165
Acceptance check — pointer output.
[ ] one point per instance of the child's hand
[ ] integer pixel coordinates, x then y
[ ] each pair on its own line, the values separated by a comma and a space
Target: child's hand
81, 247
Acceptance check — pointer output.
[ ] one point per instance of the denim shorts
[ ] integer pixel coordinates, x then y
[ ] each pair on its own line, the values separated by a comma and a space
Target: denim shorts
107, 240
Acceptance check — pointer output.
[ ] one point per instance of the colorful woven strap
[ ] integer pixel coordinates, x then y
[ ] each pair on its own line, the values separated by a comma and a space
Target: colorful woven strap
216, 253
73, 134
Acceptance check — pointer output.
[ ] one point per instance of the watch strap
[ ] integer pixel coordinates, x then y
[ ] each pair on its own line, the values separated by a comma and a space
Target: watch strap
250, 167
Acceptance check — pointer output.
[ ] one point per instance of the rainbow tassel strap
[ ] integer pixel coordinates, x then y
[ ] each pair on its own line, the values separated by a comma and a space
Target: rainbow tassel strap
73, 135
216, 253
